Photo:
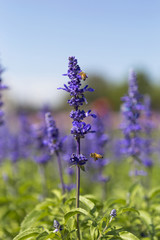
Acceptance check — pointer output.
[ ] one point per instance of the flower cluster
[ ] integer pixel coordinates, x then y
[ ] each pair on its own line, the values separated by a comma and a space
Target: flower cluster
57, 226
78, 159
131, 111
52, 134
41, 154
113, 213
80, 128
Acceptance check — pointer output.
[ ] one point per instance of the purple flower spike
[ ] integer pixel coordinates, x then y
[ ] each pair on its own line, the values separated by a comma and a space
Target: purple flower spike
79, 127
41, 154
77, 99
53, 134
131, 128
54, 144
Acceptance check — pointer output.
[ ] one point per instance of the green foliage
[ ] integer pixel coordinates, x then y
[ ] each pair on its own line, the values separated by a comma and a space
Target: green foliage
26, 214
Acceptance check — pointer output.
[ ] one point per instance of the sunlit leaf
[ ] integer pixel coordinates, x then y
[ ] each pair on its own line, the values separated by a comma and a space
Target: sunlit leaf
75, 211
29, 234
128, 236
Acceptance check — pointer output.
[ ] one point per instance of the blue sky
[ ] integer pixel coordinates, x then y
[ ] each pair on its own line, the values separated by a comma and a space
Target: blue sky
107, 36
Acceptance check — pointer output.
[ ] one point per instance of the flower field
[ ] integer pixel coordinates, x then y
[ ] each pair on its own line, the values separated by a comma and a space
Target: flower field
92, 181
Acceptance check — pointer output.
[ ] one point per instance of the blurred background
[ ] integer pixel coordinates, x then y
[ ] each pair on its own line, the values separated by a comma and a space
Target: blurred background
107, 37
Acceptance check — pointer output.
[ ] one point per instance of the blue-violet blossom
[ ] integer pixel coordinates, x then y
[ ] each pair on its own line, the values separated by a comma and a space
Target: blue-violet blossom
131, 111
79, 127
53, 141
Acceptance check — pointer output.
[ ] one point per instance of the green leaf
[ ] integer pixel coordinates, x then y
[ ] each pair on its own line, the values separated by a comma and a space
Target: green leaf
91, 198
74, 212
83, 200
82, 168
42, 236
52, 236
145, 216
154, 192
3, 201
29, 234
155, 207
32, 218
87, 202
45, 204
133, 187
157, 227
57, 193
92, 232
128, 210
128, 236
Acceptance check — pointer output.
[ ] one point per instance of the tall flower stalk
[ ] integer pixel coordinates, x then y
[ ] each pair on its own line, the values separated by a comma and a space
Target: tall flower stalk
79, 127
132, 142
54, 144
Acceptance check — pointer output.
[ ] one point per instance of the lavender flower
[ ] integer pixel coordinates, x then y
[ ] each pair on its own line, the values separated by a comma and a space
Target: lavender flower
113, 213
4, 143
42, 159
57, 226
41, 154
79, 127
14, 148
25, 136
69, 187
54, 144
78, 159
53, 134
21, 141
131, 127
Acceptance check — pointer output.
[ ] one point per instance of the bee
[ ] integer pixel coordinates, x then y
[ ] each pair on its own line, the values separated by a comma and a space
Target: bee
83, 75
96, 156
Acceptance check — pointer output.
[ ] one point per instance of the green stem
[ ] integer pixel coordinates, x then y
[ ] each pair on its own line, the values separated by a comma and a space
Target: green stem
105, 228
78, 188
